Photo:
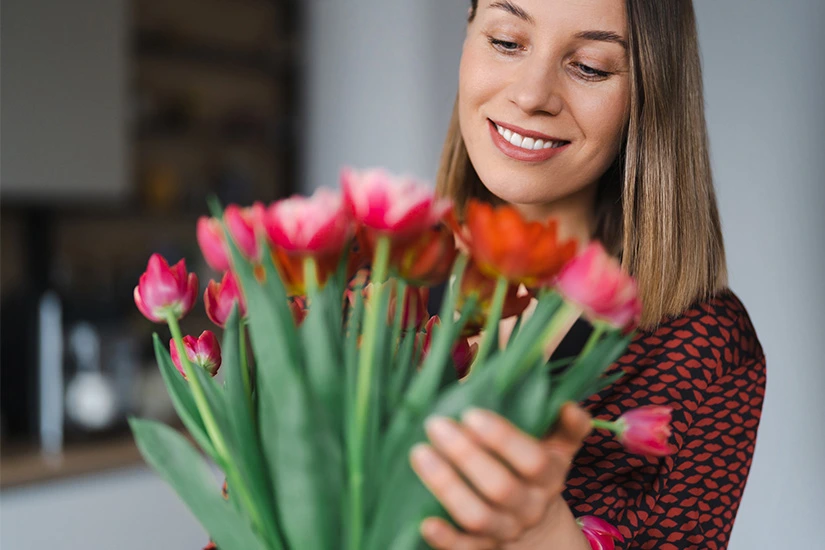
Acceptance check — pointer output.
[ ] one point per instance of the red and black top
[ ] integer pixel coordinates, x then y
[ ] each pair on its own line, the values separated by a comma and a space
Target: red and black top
708, 365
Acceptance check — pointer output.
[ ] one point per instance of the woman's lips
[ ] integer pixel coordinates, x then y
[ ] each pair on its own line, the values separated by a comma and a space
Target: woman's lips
520, 153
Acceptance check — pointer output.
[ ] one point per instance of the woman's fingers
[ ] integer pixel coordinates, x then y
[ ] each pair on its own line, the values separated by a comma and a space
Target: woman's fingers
466, 507
440, 535
494, 481
541, 462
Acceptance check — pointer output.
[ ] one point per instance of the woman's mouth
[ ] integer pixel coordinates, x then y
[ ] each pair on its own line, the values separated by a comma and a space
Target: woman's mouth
525, 148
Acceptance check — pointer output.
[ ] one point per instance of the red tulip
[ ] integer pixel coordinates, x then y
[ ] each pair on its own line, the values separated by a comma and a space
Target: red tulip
213, 243
426, 260
315, 225
599, 533
244, 225
505, 244
205, 352
163, 290
397, 206
462, 355
596, 282
414, 314
219, 299
645, 430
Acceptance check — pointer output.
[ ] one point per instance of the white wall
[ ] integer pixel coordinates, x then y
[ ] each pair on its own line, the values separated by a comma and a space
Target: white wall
64, 75
380, 86
764, 78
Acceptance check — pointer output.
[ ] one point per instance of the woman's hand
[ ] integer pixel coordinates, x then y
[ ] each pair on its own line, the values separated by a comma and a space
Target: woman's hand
513, 481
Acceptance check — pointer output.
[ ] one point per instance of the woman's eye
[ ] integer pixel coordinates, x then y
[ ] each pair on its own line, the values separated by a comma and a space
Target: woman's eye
590, 73
504, 45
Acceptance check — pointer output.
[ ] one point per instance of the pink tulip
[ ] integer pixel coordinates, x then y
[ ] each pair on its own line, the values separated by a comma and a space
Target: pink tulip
244, 225
595, 282
219, 299
599, 533
205, 352
163, 290
398, 206
213, 243
645, 430
462, 355
315, 225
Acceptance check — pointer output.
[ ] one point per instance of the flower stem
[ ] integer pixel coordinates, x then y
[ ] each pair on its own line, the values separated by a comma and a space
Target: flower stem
490, 337
197, 390
366, 364
598, 330
604, 425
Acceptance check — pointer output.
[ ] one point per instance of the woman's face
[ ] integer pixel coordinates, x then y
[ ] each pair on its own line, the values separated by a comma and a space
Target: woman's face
552, 77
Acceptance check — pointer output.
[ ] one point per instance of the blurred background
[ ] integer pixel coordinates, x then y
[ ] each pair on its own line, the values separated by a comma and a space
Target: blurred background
119, 118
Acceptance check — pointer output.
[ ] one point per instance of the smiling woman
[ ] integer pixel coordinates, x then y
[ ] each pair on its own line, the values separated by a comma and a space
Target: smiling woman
592, 112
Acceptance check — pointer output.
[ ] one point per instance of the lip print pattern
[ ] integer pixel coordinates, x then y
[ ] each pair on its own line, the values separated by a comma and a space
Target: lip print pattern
709, 366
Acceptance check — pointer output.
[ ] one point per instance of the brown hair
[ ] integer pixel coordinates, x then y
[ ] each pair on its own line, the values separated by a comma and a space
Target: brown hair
655, 206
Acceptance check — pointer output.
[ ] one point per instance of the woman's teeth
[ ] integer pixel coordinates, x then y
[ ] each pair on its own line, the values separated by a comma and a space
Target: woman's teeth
526, 142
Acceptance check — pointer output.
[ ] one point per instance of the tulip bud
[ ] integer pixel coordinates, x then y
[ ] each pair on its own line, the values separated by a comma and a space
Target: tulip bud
205, 352
599, 533
219, 299
163, 290
244, 224
596, 282
213, 243
414, 313
645, 430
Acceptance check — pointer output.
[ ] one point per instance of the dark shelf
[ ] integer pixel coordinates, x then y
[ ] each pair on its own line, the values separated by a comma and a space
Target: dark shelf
161, 46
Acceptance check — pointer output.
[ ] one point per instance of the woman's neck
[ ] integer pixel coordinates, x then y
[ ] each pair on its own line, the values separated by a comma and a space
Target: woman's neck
575, 214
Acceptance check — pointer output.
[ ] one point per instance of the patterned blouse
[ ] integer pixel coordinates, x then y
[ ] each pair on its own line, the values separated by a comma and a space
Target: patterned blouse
708, 365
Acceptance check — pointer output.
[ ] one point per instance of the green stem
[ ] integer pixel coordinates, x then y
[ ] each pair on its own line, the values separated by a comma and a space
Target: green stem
490, 337
604, 425
564, 315
366, 364
197, 390
598, 330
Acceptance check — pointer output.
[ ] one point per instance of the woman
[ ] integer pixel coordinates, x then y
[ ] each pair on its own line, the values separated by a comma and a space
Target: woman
592, 112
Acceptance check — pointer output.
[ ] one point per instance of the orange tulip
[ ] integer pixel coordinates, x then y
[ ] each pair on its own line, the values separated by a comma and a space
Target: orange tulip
505, 244
481, 287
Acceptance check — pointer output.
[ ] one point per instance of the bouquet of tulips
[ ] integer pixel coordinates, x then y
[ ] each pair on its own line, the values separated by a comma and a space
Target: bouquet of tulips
327, 378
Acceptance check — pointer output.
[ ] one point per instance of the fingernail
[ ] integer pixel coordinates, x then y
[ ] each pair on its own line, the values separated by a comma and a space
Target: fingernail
440, 430
477, 419
423, 457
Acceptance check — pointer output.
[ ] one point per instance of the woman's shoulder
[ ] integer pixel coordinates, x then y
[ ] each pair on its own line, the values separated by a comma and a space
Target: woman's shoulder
716, 331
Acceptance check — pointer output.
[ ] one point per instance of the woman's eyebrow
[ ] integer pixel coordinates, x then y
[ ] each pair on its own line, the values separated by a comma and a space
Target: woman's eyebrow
513, 9
603, 36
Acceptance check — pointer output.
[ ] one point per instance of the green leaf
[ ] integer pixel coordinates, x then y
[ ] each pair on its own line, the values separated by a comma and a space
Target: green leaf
586, 371
182, 467
182, 399
402, 496
300, 450
525, 404
247, 449
322, 342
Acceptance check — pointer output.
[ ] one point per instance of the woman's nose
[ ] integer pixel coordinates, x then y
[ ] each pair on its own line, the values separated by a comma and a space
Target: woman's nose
537, 88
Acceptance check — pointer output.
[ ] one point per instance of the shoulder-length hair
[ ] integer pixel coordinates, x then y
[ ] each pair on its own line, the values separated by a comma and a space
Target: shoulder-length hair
655, 207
